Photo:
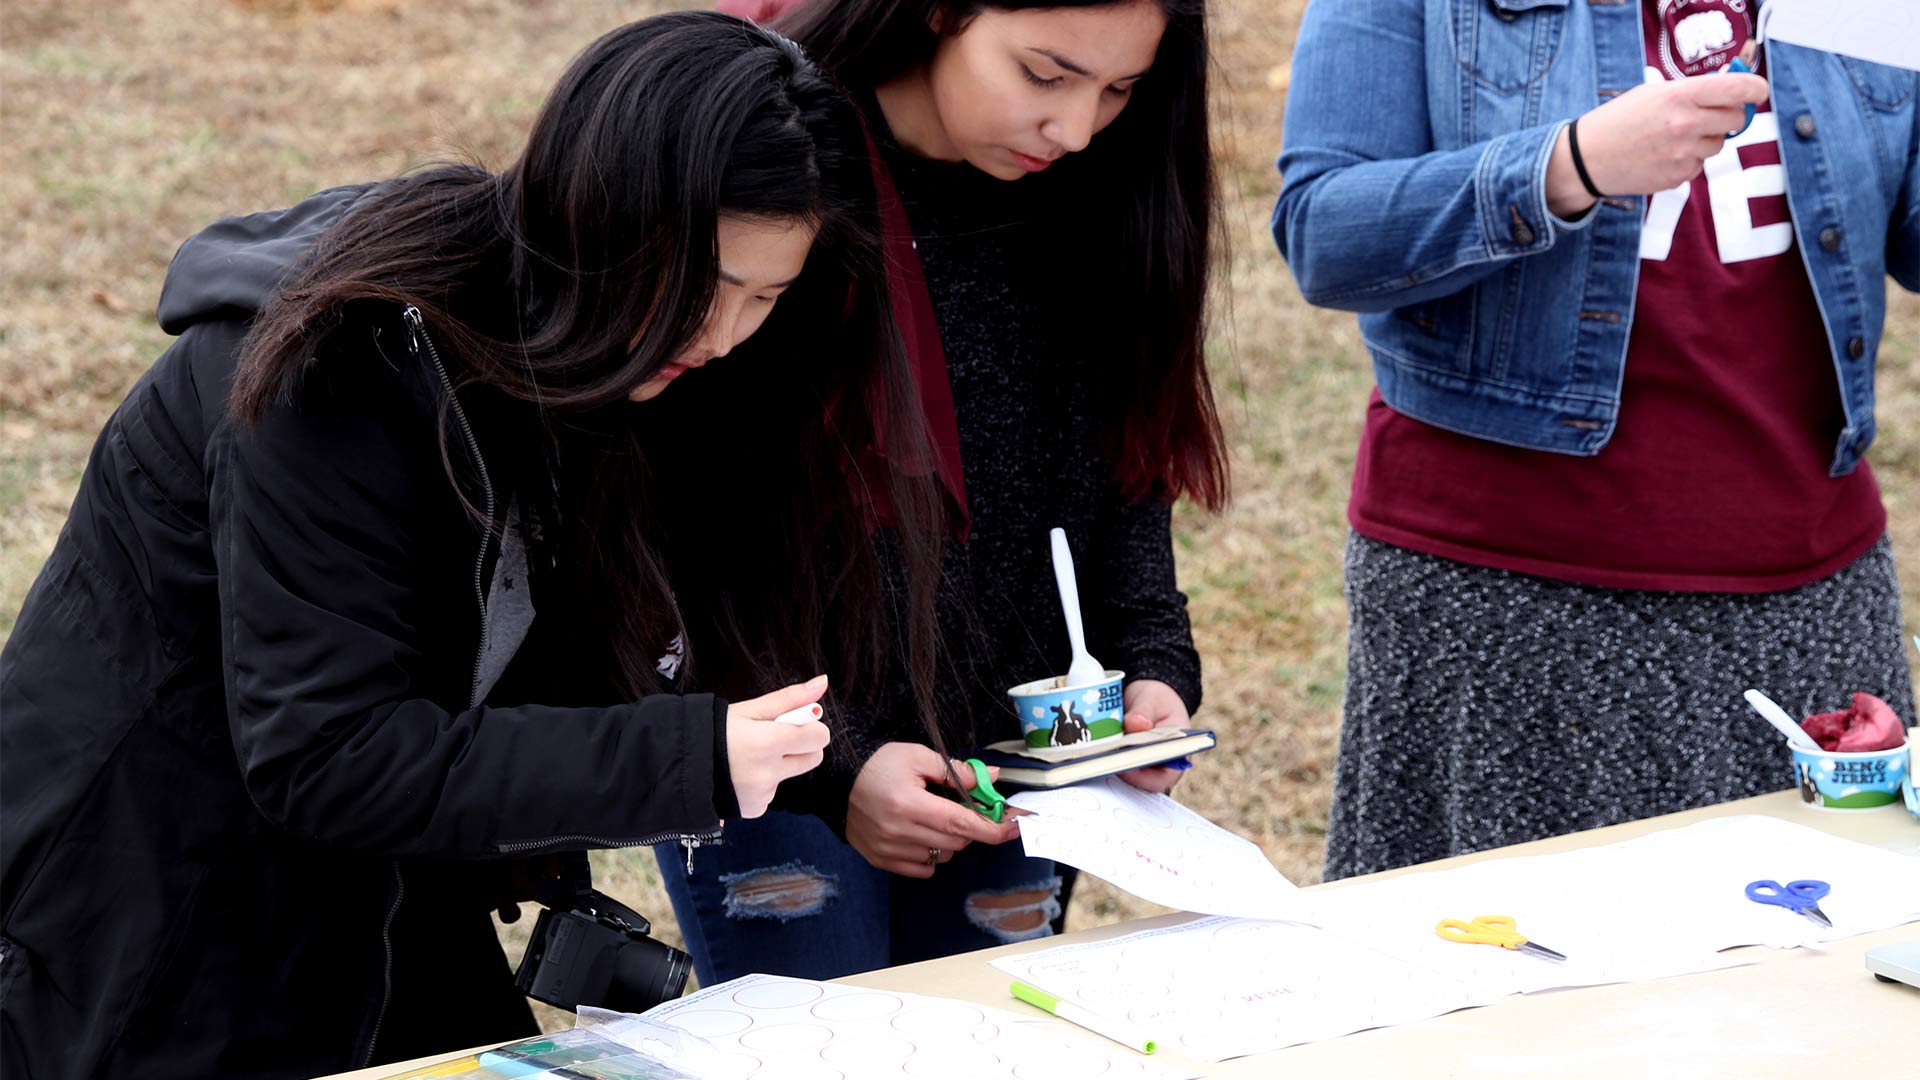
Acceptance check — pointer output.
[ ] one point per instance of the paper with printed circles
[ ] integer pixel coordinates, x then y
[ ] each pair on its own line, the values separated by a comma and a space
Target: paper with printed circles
1156, 849
769, 1027
1221, 988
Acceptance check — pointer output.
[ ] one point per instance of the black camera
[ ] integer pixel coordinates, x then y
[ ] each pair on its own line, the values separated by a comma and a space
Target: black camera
590, 949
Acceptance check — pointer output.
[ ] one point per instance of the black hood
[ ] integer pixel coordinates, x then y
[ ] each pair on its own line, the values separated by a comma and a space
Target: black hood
232, 268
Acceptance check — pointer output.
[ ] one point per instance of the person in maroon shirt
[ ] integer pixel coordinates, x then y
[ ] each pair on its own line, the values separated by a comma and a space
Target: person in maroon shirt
1716, 478
1542, 642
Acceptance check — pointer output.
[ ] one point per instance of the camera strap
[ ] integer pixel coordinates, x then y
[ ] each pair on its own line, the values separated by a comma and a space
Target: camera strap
562, 895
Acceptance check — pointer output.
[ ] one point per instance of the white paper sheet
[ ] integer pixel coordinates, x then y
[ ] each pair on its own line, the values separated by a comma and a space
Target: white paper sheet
1883, 31
766, 1027
1555, 906
1656, 906
1707, 867
1220, 988
1154, 848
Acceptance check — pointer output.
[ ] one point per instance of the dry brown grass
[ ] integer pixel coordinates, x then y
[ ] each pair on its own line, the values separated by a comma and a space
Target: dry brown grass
126, 127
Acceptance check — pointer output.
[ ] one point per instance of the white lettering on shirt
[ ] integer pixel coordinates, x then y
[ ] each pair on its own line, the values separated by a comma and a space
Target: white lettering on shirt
1729, 189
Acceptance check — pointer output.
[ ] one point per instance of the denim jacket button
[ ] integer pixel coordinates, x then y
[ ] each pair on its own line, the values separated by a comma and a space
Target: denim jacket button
1829, 239
1521, 232
1501, 13
1856, 348
1804, 126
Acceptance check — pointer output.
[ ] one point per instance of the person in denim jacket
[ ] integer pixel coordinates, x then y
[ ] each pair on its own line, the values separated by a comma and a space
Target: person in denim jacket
1624, 342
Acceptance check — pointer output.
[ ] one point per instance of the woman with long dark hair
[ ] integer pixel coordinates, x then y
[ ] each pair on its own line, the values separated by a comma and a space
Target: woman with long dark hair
1048, 195
381, 576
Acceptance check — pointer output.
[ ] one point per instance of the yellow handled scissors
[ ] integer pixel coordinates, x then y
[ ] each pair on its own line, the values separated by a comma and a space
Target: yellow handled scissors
1498, 930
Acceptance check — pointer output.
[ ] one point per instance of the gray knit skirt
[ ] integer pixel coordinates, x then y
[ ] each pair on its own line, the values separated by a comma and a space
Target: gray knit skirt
1485, 707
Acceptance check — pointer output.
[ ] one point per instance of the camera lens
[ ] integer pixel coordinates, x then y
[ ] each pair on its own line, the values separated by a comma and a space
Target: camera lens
646, 973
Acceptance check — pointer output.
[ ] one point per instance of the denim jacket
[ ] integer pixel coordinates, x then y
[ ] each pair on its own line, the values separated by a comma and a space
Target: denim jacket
1417, 140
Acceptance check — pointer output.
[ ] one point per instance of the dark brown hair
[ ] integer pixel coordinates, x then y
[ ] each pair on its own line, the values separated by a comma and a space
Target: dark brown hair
1138, 207
724, 510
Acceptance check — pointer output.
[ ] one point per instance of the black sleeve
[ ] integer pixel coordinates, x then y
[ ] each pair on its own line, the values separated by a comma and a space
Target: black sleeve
1134, 601
726, 802
319, 525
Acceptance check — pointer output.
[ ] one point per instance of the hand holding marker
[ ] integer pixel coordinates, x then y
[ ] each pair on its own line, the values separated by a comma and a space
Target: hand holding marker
773, 738
801, 715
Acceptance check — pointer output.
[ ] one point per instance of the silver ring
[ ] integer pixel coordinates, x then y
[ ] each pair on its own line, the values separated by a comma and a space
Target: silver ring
933, 856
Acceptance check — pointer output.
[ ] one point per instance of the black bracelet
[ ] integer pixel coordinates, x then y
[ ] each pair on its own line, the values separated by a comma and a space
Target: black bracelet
1579, 163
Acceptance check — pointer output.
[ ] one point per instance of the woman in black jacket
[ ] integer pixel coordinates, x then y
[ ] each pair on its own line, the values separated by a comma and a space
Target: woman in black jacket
378, 578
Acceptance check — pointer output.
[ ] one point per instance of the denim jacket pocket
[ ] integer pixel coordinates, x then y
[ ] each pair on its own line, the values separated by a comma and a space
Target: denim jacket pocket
1881, 86
1507, 45
1442, 337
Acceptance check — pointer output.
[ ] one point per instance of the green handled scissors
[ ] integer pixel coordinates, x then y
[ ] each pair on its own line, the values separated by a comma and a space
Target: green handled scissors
986, 802
1498, 930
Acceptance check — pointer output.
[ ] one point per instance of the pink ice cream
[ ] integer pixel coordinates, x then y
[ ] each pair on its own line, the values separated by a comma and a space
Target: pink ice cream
1869, 725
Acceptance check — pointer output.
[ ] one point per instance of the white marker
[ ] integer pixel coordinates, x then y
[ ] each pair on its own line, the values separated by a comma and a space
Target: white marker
801, 715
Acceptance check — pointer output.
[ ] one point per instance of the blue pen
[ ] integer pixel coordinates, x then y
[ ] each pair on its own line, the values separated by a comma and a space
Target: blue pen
1740, 66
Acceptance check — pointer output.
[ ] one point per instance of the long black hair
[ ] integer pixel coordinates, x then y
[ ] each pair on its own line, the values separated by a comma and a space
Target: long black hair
1139, 209
726, 512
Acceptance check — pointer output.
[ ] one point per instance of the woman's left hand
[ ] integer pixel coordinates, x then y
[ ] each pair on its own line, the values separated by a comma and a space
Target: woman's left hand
1151, 703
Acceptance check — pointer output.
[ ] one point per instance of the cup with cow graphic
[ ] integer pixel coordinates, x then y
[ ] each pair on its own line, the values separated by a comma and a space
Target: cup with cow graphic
1053, 713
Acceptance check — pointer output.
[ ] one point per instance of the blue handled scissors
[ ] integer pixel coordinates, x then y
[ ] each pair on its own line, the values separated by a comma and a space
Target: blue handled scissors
1801, 896
1737, 64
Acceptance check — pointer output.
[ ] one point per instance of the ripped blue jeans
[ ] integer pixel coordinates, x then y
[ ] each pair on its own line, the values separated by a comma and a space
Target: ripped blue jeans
784, 896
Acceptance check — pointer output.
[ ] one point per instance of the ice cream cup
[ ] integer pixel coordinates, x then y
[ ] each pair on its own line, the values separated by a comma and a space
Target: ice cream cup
1053, 713
1858, 781
1911, 791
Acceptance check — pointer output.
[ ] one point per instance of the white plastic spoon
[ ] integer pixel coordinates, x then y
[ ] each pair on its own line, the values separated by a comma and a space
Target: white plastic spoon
1084, 669
1772, 713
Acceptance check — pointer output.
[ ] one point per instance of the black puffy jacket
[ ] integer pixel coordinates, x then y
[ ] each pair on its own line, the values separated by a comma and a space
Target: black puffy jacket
250, 814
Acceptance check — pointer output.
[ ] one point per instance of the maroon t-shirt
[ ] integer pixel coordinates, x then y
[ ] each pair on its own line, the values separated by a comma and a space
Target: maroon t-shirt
1715, 478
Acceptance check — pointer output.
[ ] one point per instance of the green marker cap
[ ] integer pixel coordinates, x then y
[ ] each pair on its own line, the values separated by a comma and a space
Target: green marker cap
1033, 995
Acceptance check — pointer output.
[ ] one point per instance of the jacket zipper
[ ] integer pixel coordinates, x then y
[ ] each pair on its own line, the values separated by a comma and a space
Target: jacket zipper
691, 842
386, 978
417, 327
534, 847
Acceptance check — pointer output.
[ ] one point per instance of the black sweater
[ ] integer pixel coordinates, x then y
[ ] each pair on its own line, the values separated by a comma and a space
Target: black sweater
1031, 438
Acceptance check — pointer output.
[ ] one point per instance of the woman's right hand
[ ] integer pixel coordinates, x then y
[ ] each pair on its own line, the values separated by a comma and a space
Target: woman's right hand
1650, 138
901, 827
761, 753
